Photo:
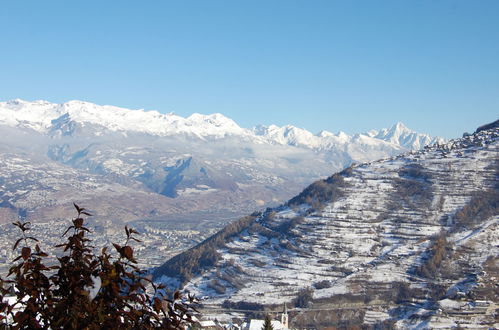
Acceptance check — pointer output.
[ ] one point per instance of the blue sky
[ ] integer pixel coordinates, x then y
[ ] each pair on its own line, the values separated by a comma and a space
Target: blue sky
336, 65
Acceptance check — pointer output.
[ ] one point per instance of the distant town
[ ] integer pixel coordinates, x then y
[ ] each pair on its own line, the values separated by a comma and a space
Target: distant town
157, 243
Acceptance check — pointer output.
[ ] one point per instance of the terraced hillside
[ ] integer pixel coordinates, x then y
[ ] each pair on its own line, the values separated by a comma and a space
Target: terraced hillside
408, 241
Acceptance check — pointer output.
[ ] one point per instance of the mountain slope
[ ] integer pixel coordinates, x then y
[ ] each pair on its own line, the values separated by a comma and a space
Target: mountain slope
198, 161
159, 171
399, 241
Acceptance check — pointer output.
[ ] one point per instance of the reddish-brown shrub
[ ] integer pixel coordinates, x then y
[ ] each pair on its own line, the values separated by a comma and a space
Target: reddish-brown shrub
84, 290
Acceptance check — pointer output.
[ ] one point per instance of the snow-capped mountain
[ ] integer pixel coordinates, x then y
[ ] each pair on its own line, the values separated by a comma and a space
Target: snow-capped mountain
43, 116
63, 119
403, 136
407, 242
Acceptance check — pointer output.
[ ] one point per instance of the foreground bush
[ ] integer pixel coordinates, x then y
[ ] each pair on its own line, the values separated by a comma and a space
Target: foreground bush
84, 290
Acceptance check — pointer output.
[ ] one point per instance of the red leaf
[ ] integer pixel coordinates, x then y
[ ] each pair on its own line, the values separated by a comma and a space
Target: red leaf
157, 305
118, 248
78, 222
128, 252
25, 252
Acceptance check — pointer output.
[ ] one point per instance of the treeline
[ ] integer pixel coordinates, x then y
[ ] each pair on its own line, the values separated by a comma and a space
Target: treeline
438, 251
322, 191
482, 206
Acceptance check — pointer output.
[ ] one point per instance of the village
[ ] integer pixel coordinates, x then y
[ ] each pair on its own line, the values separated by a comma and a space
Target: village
157, 244
278, 321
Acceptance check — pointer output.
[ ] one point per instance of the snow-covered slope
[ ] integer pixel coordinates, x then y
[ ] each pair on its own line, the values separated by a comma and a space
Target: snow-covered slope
401, 241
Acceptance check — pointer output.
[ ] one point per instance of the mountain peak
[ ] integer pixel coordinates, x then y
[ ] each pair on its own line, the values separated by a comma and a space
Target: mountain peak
38, 115
399, 126
77, 102
216, 119
16, 101
325, 134
400, 134
397, 129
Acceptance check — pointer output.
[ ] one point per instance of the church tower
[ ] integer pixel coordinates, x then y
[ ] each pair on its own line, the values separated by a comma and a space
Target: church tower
284, 317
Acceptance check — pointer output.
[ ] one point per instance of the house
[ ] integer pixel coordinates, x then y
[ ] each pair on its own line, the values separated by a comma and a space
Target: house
258, 325
277, 325
211, 325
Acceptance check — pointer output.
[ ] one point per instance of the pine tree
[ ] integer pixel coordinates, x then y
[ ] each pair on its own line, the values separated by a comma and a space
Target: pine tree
267, 325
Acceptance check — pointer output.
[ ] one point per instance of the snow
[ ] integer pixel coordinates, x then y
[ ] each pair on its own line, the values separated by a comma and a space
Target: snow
451, 304
401, 135
208, 323
44, 116
200, 189
362, 237
40, 116
93, 289
258, 325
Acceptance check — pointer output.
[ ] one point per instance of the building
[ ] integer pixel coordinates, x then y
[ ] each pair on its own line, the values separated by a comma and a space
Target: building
277, 325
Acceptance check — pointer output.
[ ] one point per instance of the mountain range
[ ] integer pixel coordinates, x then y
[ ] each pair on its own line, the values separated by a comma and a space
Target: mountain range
186, 173
68, 119
131, 165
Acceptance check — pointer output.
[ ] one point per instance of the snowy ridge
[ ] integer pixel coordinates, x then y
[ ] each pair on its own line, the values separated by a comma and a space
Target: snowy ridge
41, 115
46, 117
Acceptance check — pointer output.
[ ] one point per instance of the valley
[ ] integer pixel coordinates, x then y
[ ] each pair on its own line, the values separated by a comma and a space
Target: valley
161, 173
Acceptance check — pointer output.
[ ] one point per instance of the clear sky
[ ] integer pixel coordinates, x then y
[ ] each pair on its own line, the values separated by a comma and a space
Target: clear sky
336, 65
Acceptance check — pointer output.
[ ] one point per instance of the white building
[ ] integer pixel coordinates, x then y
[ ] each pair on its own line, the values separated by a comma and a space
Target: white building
277, 325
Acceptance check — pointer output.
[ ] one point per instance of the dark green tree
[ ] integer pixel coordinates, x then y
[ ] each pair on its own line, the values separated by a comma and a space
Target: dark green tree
267, 325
